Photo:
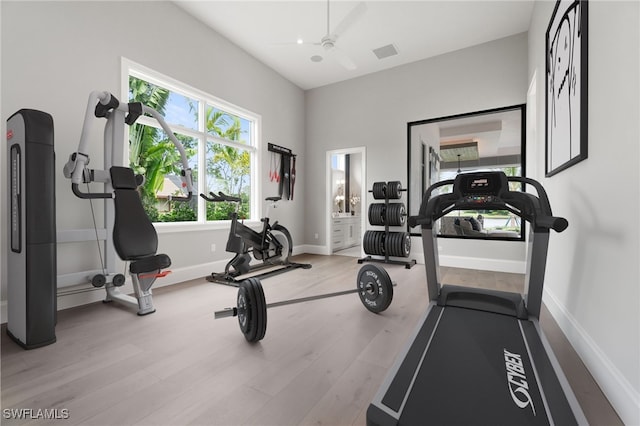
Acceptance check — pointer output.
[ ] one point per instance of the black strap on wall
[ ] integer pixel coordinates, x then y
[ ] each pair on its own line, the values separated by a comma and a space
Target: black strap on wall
287, 170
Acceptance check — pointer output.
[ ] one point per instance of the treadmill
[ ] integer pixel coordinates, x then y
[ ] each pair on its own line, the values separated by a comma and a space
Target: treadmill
478, 356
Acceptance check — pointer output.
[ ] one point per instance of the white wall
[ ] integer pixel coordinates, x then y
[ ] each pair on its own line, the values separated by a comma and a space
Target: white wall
55, 53
593, 275
374, 110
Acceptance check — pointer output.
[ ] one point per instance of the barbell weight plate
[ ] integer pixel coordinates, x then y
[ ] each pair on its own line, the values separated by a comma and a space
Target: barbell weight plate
375, 214
380, 250
374, 288
394, 189
402, 214
388, 241
396, 244
406, 244
98, 280
393, 214
390, 215
374, 242
261, 328
243, 303
118, 280
252, 310
370, 247
393, 243
366, 242
379, 190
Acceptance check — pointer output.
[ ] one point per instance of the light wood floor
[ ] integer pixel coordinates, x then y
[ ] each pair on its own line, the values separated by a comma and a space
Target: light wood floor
320, 363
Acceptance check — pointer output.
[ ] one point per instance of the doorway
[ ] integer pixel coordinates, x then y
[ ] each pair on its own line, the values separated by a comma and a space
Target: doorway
346, 199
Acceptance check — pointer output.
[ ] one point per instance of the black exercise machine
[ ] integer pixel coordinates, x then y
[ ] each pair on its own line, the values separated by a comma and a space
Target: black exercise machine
31, 243
272, 246
134, 237
479, 356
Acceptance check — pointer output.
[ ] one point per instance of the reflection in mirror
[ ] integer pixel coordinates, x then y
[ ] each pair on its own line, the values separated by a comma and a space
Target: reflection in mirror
346, 185
441, 148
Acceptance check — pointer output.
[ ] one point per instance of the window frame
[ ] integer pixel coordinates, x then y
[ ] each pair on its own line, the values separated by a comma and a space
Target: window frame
131, 68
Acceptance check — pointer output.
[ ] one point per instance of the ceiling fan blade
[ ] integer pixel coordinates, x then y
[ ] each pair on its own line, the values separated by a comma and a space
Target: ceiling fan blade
342, 58
351, 18
295, 43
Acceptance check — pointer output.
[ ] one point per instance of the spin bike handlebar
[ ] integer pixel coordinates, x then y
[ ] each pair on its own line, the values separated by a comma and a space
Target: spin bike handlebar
220, 197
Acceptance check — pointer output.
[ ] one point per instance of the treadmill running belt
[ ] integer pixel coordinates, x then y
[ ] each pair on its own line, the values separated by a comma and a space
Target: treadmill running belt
477, 367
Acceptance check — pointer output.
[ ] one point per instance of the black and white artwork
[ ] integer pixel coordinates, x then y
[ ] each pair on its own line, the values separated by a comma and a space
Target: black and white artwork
566, 86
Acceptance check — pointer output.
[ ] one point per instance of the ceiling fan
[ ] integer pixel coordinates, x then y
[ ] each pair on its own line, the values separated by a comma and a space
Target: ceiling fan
328, 42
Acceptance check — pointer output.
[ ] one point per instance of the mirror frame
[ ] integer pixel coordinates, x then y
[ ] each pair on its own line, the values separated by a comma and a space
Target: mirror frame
523, 148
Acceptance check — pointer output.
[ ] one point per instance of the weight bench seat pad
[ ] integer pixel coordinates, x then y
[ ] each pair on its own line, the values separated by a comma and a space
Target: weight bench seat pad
134, 236
150, 264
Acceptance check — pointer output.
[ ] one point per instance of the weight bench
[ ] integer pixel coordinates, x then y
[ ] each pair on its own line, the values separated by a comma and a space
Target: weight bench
136, 241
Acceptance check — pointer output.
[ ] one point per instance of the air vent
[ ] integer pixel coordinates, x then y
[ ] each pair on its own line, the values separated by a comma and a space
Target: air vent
385, 51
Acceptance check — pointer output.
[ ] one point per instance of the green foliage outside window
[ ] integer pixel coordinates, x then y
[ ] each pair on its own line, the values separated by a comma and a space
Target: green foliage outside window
153, 155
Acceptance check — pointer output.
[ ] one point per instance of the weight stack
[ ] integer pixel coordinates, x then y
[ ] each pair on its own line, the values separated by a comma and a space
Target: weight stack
392, 214
387, 190
386, 243
381, 243
31, 259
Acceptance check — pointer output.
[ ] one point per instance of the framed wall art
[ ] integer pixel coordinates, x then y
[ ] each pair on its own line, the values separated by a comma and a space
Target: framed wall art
566, 86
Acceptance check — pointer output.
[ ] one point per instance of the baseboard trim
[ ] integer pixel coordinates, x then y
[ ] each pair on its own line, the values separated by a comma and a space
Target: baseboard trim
620, 393
482, 264
312, 249
71, 294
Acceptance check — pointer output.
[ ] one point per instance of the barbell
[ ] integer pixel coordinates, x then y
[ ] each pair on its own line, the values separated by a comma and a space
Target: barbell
373, 285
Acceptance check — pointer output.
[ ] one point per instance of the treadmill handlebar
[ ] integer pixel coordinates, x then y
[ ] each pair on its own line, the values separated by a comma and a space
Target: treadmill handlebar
558, 224
488, 191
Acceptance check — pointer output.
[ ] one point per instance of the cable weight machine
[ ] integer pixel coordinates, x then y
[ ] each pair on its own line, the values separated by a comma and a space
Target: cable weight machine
134, 238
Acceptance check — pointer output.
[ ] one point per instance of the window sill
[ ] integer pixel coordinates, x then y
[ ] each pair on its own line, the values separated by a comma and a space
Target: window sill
173, 227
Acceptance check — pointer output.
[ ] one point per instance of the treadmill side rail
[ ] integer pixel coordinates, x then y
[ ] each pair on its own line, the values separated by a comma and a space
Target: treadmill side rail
564, 407
390, 398
466, 366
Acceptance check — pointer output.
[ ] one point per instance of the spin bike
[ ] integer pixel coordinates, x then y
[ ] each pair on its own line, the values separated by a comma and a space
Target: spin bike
272, 246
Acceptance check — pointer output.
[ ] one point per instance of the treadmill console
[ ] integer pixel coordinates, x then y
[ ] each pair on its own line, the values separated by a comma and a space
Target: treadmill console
479, 188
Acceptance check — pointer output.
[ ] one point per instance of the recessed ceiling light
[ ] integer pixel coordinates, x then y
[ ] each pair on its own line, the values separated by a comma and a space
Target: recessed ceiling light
300, 41
316, 58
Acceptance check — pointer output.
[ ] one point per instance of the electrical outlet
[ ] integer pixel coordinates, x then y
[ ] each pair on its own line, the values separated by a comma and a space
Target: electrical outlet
213, 248
316, 235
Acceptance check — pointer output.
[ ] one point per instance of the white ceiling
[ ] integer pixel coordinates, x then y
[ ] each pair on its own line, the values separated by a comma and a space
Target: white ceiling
419, 29
497, 134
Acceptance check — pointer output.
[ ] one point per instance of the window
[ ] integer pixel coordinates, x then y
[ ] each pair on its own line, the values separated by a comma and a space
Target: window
220, 140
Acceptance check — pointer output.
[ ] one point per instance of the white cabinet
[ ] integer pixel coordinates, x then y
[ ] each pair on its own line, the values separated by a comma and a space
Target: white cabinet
345, 232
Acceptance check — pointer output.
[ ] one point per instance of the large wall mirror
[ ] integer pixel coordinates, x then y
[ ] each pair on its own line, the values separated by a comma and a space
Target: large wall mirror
441, 148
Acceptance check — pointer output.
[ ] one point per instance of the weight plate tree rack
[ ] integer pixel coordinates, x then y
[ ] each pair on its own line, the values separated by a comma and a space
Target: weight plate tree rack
386, 243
